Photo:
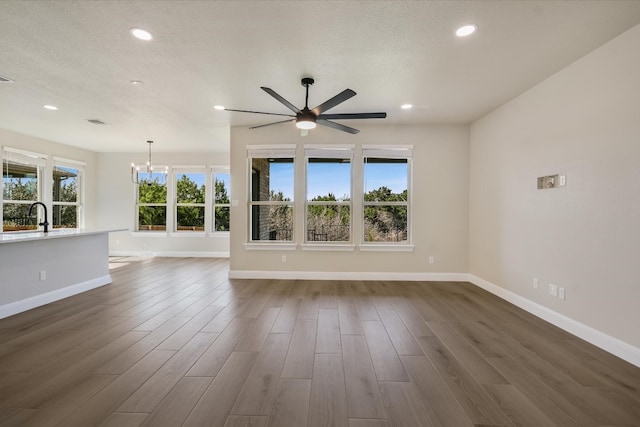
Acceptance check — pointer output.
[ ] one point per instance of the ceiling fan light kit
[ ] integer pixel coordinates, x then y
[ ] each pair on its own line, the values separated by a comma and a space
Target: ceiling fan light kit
307, 118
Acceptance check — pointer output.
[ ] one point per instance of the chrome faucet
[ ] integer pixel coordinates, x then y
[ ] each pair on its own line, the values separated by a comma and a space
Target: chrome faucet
46, 222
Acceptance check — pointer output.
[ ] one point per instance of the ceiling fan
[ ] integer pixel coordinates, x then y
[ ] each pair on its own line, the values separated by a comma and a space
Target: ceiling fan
308, 118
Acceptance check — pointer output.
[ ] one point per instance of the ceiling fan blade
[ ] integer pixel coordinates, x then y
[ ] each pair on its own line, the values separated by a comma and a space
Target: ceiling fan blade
270, 124
330, 103
337, 126
259, 112
281, 99
352, 116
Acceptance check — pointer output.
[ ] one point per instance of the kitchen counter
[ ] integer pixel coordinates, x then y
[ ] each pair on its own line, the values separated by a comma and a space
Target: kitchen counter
38, 268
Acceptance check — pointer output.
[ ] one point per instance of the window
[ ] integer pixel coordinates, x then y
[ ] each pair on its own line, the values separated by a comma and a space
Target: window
221, 205
386, 194
67, 195
152, 202
22, 174
271, 175
190, 191
328, 199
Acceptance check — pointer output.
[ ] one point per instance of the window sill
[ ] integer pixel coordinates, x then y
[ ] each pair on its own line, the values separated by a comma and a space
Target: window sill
328, 247
187, 234
386, 248
149, 234
218, 234
270, 246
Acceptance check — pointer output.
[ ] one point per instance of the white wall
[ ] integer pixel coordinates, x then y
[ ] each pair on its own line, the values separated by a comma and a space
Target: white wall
583, 122
440, 203
51, 149
116, 207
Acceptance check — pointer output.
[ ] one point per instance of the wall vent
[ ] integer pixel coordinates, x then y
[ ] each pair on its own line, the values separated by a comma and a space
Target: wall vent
4, 79
96, 121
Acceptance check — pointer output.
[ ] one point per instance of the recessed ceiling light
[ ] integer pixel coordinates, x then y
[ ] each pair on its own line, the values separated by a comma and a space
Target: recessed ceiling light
141, 34
406, 106
51, 107
466, 30
219, 107
136, 82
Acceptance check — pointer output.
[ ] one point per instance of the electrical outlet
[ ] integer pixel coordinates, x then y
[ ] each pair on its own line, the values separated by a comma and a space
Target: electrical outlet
553, 290
284, 258
431, 259
43, 275
561, 293
535, 283
563, 180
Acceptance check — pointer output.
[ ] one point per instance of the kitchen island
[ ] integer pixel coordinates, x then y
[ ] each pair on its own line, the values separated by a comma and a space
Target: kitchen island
38, 268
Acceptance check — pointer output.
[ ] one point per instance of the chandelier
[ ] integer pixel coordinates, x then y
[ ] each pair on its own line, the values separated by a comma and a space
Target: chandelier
135, 170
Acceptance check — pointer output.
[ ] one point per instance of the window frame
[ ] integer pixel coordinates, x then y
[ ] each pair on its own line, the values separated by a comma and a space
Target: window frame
283, 151
79, 203
219, 170
329, 152
173, 196
160, 169
26, 158
387, 152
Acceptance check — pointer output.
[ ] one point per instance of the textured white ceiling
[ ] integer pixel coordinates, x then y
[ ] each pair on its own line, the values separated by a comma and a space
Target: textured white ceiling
79, 56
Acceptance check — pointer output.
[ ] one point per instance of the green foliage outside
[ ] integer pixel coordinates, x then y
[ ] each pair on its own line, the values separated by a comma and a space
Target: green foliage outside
221, 212
328, 222
65, 216
16, 215
384, 223
152, 197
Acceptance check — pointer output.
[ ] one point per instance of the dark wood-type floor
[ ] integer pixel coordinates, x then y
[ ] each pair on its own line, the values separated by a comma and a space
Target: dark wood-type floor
173, 342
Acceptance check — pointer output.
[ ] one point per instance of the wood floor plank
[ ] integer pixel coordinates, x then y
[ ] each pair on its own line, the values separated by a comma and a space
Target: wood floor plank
218, 399
255, 336
441, 405
348, 315
477, 404
383, 355
299, 361
403, 405
155, 389
402, 340
328, 338
328, 401
177, 405
467, 355
359, 422
519, 409
363, 395
216, 355
291, 404
259, 391
124, 420
183, 335
101, 405
245, 421
286, 320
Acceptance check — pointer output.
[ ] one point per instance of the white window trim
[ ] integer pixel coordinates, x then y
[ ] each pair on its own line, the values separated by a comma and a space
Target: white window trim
262, 152
212, 194
81, 168
332, 151
193, 169
169, 215
391, 152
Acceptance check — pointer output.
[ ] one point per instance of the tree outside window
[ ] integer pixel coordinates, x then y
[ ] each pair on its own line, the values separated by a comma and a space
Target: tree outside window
20, 188
221, 202
66, 197
152, 202
190, 201
386, 201
328, 204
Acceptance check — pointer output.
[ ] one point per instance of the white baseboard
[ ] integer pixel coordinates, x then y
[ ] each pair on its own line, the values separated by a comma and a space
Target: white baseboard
171, 254
16, 307
347, 275
606, 342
